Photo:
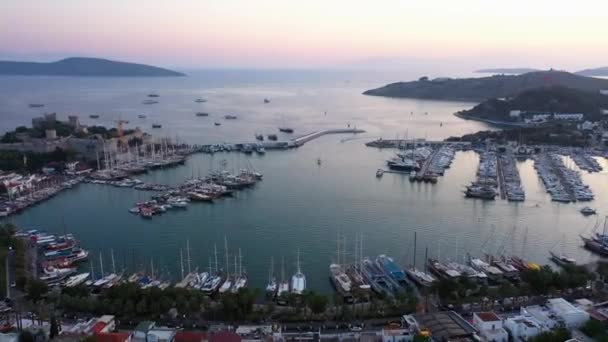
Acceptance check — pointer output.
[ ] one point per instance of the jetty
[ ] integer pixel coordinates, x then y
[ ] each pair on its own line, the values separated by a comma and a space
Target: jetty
311, 136
274, 145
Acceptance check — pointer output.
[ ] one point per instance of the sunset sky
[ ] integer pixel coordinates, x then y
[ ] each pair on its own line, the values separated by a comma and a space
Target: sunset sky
312, 33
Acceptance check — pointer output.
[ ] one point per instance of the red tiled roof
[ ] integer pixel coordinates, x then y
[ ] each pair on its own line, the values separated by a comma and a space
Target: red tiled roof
487, 316
98, 327
190, 336
225, 336
112, 337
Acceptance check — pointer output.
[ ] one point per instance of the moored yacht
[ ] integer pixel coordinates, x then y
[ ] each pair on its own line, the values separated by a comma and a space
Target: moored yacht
298, 280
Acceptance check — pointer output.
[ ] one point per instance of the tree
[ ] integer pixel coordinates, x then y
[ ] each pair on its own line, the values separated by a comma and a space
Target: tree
26, 336
317, 303
557, 335
54, 328
36, 289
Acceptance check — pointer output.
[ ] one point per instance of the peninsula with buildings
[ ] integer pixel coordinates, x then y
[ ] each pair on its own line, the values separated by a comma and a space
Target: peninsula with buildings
81, 66
483, 88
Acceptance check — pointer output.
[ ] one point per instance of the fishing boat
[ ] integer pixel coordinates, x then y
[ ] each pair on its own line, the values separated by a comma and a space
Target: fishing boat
156, 125
298, 280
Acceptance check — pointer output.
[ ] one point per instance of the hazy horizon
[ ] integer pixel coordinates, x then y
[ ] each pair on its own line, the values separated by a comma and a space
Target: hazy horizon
189, 34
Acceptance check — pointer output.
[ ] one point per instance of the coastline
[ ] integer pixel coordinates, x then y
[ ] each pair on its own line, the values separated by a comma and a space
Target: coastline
493, 122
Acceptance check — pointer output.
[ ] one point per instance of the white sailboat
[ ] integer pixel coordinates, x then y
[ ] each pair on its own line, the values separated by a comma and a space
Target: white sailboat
298, 280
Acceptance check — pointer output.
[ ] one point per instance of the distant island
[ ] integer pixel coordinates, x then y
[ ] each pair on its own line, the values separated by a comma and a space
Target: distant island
483, 88
533, 104
81, 66
509, 71
603, 71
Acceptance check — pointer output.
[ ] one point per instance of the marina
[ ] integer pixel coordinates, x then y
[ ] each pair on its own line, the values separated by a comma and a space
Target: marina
562, 183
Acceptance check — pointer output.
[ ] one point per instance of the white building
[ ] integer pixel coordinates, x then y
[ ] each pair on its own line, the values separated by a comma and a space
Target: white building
571, 316
568, 116
490, 326
544, 317
522, 327
587, 126
515, 113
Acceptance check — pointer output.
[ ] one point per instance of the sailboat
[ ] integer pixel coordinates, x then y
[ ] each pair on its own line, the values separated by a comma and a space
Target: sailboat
561, 259
598, 243
339, 278
422, 278
284, 128
298, 280
227, 285
283, 289
271, 287
240, 281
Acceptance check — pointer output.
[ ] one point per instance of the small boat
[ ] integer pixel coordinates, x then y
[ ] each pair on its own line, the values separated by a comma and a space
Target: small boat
217, 123
157, 125
202, 114
94, 116
134, 210
286, 129
153, 95
230, 117
272, 137
318, 161
260, 150
588, 211
76, 280
266, 101
141, 116
199, 100
36, 105
149, 102
259, 137
379, 173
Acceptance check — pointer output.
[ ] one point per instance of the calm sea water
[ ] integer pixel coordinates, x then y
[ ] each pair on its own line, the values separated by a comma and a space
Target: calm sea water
299, 204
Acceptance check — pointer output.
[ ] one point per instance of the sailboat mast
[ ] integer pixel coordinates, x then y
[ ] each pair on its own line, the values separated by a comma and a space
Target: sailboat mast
226, 250
101, 263
240, 263
426, 257
181, 261
92, 273
152, 267
188, 255
113, 264
415, 237
282, 269
215, 253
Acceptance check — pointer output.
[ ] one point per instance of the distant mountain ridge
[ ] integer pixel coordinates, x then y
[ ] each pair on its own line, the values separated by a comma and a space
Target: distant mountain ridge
601, 71
511, 71
480, 89
83, 66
